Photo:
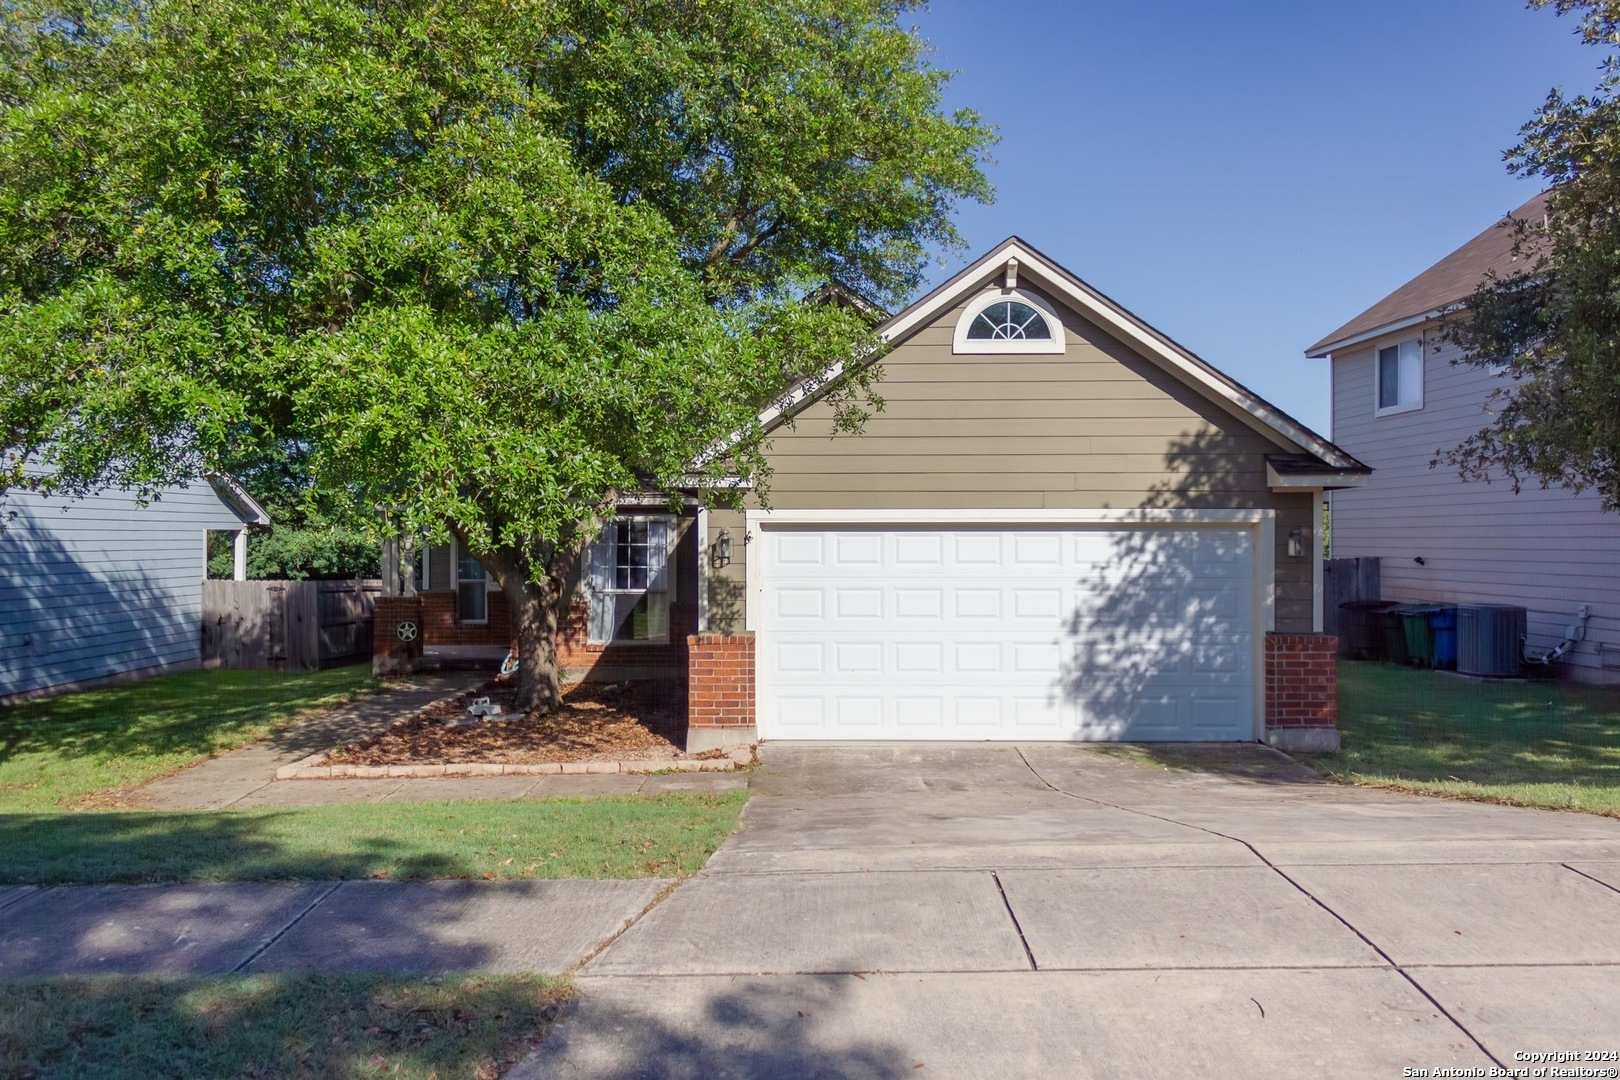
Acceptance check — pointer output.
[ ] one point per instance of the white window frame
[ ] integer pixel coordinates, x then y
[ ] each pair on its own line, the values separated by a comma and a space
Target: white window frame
1404, 382
455, 586
671, 523
961, 343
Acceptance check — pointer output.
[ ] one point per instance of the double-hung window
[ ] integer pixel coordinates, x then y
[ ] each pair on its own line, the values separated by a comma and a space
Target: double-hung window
1399, 378
629, 580
472, 589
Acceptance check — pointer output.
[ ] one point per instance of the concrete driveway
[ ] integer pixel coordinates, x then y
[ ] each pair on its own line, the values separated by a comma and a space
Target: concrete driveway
1045, 910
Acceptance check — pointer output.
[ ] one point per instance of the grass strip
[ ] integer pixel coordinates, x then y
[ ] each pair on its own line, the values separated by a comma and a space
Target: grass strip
1542, 744
313, 1026
56, 751
611, 836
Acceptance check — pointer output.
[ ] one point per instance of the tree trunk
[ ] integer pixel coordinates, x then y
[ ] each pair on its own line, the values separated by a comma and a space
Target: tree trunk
407, 565
537, 610
533, 607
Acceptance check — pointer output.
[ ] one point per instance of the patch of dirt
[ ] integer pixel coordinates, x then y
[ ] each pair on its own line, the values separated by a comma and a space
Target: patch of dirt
638, 721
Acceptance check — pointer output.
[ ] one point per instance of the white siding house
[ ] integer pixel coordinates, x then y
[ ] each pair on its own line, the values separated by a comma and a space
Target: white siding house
1398, 400
101, 588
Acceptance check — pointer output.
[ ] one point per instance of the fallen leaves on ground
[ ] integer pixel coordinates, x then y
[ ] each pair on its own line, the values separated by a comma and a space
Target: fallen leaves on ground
597, 722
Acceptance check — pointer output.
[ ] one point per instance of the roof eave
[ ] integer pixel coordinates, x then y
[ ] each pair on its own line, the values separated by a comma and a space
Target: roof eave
1332, 345
1113, 317
235, 496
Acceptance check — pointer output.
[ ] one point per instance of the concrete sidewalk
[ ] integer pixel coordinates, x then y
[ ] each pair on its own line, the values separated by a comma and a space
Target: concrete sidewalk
246, 777
1046, 910
229, 778
427, 927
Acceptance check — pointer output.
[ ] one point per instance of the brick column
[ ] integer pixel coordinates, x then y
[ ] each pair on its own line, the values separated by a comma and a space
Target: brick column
390, 655
1302, 685
720, 691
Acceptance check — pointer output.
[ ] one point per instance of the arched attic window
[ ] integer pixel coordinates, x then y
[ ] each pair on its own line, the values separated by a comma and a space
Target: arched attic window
1008, 322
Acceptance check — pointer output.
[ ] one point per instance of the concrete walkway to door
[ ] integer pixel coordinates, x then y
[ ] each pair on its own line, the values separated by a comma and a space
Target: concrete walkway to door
1048, 910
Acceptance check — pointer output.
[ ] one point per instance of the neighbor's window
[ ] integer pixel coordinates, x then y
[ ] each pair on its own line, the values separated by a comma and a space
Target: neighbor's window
629, 580
472, 590
1400, 377
1009, 320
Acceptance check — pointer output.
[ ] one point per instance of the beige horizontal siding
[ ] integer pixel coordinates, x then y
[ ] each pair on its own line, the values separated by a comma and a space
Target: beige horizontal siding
1096, 427
1545, 549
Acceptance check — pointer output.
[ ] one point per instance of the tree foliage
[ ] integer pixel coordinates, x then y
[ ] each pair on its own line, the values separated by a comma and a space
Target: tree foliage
300, 543
475, 268
311, 549
1553, 324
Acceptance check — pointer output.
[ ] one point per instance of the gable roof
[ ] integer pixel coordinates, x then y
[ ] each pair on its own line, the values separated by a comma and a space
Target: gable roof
234, 495
1215, 385
1442, 286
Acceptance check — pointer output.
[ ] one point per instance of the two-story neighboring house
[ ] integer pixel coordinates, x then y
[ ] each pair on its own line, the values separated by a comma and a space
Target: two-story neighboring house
1399, 398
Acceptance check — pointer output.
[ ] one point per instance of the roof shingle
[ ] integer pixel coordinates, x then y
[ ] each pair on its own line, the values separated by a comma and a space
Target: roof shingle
1453, 278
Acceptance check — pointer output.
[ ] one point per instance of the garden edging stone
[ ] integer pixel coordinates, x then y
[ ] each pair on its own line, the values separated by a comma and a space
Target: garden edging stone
308, 770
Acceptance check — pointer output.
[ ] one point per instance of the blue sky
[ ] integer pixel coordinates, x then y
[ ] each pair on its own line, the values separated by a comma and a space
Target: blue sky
1248, 176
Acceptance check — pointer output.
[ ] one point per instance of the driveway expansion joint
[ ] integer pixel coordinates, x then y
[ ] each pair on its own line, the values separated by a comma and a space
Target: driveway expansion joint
20, 892
1013, 915
602, 946
1589, 877
279, 934
1346, 923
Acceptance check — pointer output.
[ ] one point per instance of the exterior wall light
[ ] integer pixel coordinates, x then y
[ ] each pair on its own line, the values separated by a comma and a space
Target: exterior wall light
1296, 543
722, 548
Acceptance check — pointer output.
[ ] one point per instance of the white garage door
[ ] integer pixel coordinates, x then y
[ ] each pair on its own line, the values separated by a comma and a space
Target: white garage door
1039, 633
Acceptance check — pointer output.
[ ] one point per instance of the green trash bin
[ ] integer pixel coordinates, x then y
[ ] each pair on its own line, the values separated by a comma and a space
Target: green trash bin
1419, 634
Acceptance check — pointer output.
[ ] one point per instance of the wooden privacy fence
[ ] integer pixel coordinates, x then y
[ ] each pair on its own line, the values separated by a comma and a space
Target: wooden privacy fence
1344, 580
286, 625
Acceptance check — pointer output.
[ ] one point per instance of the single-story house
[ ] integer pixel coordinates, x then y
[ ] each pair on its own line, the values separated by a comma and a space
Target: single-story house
101, 589
1400, 399
1062, 525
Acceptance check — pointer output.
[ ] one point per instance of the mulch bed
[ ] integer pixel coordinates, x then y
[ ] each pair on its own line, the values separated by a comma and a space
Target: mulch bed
597, 722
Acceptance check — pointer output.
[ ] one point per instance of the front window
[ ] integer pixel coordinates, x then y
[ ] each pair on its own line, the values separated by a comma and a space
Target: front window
629, 581
1400, 377
472, 590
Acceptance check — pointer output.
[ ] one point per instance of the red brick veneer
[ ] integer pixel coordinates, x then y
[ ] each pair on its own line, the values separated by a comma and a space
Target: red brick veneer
1302, 681
390, 655
720, 681
434, 612
441, 627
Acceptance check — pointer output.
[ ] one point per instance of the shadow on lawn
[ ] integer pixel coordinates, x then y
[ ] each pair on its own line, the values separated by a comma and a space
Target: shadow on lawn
193, 712
140, 847
272, 1025
1423, 725
467, 1026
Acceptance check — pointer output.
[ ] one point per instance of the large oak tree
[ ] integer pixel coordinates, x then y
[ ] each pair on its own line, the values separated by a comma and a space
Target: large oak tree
479, 268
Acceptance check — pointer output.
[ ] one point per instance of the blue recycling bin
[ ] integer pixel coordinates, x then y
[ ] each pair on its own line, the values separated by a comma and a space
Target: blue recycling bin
1443, 625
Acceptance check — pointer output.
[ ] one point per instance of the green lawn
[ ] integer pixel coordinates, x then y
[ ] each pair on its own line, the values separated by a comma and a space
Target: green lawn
623, 836
1526, 743
59, 758
56, 751
119, 1028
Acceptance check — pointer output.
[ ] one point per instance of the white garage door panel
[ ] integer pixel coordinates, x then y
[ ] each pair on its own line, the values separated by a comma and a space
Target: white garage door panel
1057, 633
